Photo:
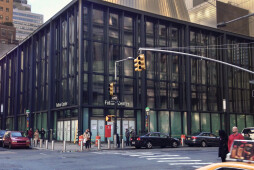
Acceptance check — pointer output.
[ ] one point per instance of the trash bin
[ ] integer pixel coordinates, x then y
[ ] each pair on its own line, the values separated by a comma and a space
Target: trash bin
80, 138
96, 140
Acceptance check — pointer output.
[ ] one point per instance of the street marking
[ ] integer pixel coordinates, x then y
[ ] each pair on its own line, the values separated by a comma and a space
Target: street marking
180, 161
154, 156
168, 158
190, 163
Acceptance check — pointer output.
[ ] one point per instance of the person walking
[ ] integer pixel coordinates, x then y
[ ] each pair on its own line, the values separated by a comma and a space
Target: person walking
36, 136
42, 134
86, 137
30, 134
127, 135
234, 136
223, 145
90, 142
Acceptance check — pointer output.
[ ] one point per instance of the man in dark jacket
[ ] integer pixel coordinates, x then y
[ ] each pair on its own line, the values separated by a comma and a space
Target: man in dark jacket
30, 134
42, 134
127, 135
223, 145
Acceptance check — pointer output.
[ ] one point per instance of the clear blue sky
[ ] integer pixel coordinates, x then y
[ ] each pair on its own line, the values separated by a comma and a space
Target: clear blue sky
47, 7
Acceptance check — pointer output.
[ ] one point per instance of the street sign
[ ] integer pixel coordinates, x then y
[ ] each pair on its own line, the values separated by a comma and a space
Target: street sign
114, 98
147, 109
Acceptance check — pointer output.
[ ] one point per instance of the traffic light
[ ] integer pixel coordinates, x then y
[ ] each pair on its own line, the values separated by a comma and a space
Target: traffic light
108, 118
140, 63
111, 89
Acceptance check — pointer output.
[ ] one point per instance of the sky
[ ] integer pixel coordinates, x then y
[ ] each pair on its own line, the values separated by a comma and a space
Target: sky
47, 8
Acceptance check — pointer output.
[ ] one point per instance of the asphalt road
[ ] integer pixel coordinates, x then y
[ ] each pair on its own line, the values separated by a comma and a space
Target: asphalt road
186, 158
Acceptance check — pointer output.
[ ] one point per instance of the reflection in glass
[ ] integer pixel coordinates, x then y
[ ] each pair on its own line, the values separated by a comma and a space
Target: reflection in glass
98, 57
98, 90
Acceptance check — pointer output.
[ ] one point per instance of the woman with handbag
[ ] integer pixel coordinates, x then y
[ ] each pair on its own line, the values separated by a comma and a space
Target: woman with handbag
86, 137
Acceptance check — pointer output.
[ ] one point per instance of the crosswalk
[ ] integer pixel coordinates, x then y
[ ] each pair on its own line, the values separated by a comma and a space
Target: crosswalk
170, 159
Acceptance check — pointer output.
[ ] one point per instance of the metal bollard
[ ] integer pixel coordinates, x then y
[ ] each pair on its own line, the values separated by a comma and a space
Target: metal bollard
52, 146
46, 144
81, 145
40, 143
115, 142
99, 144
122, 144
182, 142
64, 146
31, 142
109, 144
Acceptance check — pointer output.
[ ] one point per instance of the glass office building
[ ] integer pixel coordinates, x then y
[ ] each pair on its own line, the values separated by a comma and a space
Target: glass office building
58, 77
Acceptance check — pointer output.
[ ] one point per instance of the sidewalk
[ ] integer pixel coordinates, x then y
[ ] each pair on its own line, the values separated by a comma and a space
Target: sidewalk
71, 147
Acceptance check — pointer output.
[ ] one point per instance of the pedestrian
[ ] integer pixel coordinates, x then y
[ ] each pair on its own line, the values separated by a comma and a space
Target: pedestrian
36, 136
127, 135
223, 145
42, 134
30, 134
118, 140
234, 136
87, 138
133, 133
90, 142
247, 136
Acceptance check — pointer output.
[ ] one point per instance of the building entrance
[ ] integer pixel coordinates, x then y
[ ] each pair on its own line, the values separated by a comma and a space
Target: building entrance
67, 125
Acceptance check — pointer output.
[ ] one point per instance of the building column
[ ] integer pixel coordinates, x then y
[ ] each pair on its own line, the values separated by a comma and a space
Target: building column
5, 105
17, 87
80, 68
188, 79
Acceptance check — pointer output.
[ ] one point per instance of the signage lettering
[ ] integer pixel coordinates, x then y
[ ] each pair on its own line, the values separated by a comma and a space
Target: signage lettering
61, 104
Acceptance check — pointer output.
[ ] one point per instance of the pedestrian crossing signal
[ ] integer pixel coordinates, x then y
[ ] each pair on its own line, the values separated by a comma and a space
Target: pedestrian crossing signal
109, 118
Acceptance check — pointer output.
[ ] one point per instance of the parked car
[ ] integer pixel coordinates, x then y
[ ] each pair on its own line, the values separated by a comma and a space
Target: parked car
250, 131
202, 139
2, 132
154, 139
15, 139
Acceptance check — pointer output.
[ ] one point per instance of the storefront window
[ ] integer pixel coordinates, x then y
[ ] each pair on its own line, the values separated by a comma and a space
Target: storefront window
176, 129
153, 121
240, 122
163, 122
195, 125
249, 121
215, 123
205, 122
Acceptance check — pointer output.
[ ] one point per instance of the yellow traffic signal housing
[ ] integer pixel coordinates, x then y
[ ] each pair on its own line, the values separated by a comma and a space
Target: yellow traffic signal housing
142, 62
111, 89
109, 118
139, 63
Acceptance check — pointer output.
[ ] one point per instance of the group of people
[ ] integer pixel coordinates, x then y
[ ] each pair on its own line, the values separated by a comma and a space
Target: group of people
87, 138
226, 142
36, 135
128, 135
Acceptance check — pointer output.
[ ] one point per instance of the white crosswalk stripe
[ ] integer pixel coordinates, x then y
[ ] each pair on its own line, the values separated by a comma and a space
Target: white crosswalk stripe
172, 160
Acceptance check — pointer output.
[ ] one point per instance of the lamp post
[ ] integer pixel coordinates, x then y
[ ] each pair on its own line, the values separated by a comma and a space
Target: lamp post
115, 109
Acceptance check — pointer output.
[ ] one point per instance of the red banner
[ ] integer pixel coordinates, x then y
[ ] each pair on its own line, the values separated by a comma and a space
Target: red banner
107, 131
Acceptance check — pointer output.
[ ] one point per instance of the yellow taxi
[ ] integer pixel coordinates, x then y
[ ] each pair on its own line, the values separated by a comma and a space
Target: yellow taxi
241, 157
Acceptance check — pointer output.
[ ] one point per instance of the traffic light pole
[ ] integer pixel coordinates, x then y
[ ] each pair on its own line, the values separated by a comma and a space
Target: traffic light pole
115, 108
